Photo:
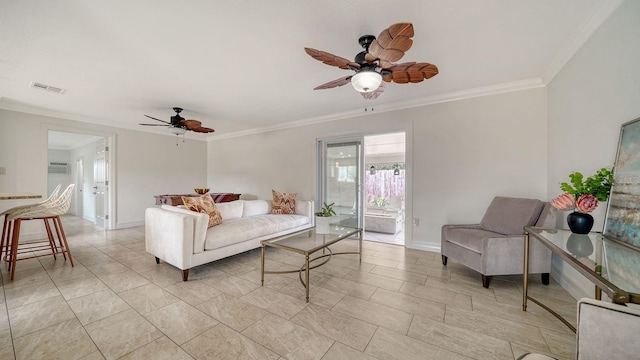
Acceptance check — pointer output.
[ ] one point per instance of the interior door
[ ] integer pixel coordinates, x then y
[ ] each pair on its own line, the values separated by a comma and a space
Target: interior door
340, 182
79, 187
101, 182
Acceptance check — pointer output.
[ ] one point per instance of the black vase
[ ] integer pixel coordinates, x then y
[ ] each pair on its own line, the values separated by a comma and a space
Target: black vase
580, 223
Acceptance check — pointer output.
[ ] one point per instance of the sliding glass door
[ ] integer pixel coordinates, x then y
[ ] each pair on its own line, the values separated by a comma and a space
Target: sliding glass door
340, 179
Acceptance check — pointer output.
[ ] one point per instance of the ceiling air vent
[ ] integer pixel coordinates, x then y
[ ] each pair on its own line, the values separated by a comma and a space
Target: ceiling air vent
46, 87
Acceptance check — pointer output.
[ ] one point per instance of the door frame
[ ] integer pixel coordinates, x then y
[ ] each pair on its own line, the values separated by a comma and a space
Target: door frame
408, 156
321, 145
110, 141
79, 181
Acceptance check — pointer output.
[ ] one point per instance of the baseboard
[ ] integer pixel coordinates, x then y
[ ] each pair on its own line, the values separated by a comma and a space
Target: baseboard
423, 247
128, 225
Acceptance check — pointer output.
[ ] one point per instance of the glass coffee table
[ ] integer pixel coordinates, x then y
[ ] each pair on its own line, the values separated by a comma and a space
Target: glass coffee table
308, 242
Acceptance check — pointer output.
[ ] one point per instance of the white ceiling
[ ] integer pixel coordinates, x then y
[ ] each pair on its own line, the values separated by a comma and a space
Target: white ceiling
240, 65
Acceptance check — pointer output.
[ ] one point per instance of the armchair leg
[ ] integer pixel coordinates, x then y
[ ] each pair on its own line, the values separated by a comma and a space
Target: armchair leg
185, 275
545, 278
444, 260
485, 281
157, 260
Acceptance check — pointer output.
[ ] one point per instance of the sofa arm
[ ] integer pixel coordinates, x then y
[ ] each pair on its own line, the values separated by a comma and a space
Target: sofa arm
460, 226
169, 236
306, 208
200, 226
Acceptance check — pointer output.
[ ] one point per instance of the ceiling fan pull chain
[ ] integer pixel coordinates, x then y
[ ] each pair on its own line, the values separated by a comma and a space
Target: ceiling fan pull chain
366, 104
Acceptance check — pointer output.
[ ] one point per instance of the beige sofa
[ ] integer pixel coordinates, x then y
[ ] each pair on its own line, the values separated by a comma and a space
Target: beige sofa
181, 238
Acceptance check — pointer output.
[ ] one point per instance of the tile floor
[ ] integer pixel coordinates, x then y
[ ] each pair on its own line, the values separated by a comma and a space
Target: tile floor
397, 239
398, 304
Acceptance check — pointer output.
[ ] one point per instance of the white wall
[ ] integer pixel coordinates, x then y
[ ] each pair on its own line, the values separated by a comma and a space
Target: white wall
596, 92
460, 155
147, 164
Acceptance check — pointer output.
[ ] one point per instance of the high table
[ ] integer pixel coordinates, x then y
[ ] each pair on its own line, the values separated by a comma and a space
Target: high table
612, 266
18, 196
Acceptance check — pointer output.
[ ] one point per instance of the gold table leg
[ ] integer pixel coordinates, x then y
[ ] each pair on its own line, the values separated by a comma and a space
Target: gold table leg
262, 265
306, 263
525, 272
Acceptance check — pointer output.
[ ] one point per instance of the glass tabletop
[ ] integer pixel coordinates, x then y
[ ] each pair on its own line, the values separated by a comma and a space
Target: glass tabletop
310, 241
611, 260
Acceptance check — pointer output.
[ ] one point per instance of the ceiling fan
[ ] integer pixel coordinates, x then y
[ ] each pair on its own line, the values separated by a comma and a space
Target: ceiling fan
180, 125
375, 63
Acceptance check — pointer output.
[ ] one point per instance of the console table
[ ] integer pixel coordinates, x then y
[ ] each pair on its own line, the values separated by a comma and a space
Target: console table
176, 199
612, 266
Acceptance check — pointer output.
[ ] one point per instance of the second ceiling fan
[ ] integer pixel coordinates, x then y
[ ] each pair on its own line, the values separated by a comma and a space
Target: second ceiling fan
179, 125
376, 63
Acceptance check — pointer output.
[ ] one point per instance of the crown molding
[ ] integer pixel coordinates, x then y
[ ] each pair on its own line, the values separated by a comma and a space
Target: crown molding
429, 100
600, 14
10, 106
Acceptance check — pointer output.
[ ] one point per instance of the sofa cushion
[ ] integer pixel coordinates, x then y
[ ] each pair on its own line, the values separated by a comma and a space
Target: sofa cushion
283, 203
509, 215
255, 207
469, 238
239, 230
231, 210
203, 204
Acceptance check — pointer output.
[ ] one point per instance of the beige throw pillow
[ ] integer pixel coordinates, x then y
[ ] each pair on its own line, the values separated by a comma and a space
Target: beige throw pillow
204, 204
283, 203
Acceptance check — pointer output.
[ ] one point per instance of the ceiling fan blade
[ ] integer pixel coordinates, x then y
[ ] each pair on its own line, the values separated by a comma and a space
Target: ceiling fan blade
191, 124
203, 130
331, 59
154, 124
373, 94
150, 117
410, 72
335, 83
392, 43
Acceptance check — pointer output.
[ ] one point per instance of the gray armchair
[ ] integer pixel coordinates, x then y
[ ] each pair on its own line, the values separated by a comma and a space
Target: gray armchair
495, 245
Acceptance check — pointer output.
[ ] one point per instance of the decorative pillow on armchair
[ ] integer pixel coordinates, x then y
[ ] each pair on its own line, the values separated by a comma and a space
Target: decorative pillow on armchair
283, 203
204, 204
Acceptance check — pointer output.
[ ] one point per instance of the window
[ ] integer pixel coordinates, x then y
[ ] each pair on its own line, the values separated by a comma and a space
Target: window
347, 173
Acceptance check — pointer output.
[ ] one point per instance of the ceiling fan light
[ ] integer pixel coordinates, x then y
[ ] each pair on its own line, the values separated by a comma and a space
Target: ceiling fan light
366, 81
177, 130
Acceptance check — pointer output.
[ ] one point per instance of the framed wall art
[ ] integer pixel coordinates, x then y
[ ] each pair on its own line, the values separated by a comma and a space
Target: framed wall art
622, 221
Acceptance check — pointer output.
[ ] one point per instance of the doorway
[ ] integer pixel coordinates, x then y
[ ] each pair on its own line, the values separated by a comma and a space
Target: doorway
82, 158
385, 187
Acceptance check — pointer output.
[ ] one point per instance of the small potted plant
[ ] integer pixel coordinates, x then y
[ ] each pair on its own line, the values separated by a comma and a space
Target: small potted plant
322, 218
381, 202
583, 196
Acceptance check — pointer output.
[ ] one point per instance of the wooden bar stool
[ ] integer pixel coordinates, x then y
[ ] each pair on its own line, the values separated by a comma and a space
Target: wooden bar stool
7, 225
33, 249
